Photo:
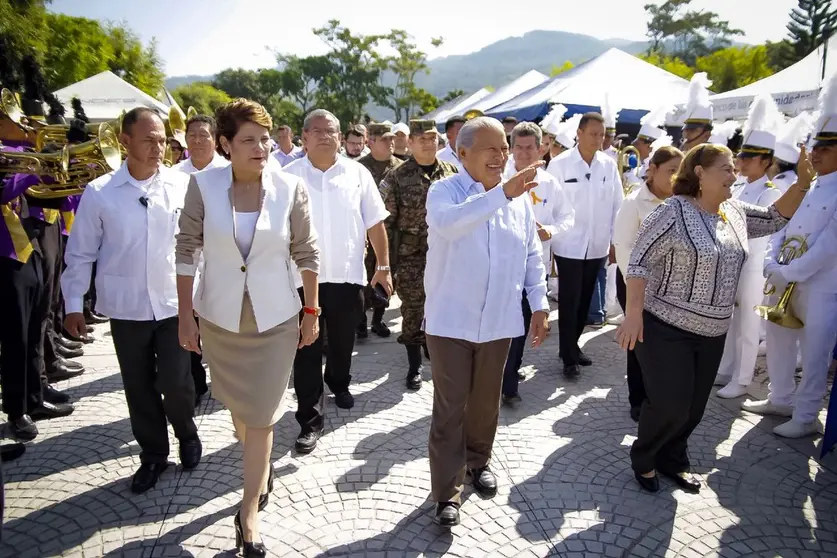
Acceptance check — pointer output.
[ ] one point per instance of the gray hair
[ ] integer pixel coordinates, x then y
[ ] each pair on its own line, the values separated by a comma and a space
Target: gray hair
527, 130
319, 113
468, 132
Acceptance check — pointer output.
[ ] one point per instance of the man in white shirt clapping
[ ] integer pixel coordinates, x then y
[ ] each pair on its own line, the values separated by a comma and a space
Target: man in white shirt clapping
345, 207
126, 223
483, 253
591, 181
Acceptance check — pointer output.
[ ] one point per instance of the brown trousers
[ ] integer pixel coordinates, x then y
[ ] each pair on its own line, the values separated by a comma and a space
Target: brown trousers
467, 381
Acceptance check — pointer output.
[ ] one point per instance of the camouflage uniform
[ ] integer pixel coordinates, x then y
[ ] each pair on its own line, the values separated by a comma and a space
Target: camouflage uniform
378, 169
406, 194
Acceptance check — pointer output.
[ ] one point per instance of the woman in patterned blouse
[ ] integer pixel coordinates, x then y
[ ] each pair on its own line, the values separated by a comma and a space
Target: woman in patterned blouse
682, 280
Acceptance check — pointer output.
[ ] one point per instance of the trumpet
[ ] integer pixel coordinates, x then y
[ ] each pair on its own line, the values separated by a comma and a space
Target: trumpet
473, 113
57, 133
41, 164
622, 163
780, 314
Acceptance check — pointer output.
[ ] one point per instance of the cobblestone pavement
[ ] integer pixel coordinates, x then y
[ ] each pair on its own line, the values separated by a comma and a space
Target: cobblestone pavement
561, 458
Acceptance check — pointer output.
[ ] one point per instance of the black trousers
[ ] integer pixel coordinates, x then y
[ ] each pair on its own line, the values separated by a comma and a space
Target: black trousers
21, 291
50, 241
576, 283
197, 369
679, 369
516, 349
158, 385
636, 389
342, 304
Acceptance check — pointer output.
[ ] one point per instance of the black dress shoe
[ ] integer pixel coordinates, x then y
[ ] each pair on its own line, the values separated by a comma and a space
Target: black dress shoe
61, 373
90, 328
92, 318
362, 332
24, 428
380, 329
68, 343
83, 340
264, 498
414, 381
484, 481
47, 410
10, 452
190, 453
146, 477
64, 352
248, 549
651, 484
635, 411
584, 360
511, 400
344, 400
306, 442
52, 395
572, 371
684, 480
447, 514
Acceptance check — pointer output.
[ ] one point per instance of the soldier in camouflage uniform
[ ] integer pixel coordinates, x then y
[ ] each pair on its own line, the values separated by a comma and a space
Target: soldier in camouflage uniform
405, 196
379, 161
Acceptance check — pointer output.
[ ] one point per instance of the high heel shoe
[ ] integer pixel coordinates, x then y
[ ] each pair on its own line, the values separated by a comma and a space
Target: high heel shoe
265, 498
248, 549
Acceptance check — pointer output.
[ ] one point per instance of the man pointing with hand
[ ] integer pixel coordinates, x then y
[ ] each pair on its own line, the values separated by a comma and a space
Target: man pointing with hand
483, 251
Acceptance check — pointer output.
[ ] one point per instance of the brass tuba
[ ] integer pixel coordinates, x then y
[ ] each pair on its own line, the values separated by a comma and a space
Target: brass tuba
622, 163
42, 164
10, 107
57, 133
473, 113
191, 112
780, 314
176, 123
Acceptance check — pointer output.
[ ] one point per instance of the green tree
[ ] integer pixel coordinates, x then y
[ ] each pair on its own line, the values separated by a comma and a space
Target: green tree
200, 95
239, 83
138, 65
301, 78
451, 95
670, 64
686, 34
735, 67
811, 23
22, 28
405, 97
556, 69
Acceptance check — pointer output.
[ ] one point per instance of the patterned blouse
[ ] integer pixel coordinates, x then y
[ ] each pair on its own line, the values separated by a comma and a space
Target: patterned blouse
692, 260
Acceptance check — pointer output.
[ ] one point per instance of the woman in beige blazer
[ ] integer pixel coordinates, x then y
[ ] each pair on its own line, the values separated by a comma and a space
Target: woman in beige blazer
250, 220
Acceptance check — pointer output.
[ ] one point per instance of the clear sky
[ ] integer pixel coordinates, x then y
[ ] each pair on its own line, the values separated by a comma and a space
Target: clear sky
206, 36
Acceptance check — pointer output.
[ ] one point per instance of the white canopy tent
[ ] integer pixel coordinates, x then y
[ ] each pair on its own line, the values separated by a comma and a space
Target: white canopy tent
635, 86
105, 95
795, 88
440, 115
524, 83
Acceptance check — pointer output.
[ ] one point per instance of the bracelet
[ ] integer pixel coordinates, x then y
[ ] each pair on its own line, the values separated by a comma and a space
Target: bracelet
382, 268
313, 311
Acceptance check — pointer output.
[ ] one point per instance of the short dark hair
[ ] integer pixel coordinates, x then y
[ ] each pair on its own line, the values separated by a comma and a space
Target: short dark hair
231, 116
686, 182
355, 130
784, 166
590, 117
284, 127
203, 119
665, 154
509, 120
453, 120
132, 116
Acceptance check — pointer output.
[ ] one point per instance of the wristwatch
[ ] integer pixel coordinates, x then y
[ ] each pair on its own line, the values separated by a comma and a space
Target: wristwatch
382, 268
313, 311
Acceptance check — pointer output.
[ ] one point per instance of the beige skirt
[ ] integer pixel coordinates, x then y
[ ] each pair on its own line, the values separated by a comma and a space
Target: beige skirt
250, 370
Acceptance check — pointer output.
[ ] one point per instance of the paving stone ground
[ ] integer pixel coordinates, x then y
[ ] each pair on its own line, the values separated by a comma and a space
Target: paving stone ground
566, 488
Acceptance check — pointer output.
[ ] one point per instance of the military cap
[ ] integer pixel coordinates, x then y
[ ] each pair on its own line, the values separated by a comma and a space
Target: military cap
381, 130
419, 127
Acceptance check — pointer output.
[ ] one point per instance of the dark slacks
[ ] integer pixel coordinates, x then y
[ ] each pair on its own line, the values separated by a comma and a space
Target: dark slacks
598, 301
341, 304
197, 369
576, 283
636, 389
679, 369
158, 386
515, 358
466, 407
50, 241
21, 291
369, 300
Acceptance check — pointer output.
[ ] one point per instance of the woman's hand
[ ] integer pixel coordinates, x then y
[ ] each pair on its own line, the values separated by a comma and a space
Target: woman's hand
189, 334
804, 169
630, 332
309, 330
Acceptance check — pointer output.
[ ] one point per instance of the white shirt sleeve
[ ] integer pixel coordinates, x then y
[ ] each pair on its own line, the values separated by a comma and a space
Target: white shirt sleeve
451, 219
618, 198
535, 280
822, 253
563, 215
82, 251
624, 233
372, 208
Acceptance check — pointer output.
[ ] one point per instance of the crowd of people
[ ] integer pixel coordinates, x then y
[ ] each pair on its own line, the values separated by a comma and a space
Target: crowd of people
261, 258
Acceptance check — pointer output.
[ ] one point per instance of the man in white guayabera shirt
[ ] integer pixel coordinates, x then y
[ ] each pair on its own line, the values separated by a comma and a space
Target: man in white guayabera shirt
483, 252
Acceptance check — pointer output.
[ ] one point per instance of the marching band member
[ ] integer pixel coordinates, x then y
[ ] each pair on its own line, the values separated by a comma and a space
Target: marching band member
591, 181
697, 126
654, 190
756, 156
814, 299
287, 152
793, 133
565, 137
448, 153
405, 197
550, 126
126, 222
610, 114
650, 131
553, 216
